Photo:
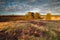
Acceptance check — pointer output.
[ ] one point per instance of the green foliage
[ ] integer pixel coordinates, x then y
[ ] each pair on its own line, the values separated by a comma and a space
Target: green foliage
37, 15
48, 16
29, 16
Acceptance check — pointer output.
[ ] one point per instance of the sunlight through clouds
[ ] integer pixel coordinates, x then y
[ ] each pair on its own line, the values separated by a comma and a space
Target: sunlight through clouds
23, 6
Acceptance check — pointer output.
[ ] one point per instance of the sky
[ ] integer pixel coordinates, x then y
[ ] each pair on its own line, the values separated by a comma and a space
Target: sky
21, 7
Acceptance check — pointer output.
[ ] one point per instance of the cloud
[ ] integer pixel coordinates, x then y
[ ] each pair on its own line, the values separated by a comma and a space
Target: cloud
22, 6
2, 2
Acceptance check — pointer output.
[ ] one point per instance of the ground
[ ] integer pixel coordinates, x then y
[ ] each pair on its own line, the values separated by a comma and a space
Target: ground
30, 30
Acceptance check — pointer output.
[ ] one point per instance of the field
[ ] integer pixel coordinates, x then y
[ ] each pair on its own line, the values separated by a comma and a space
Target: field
30, 30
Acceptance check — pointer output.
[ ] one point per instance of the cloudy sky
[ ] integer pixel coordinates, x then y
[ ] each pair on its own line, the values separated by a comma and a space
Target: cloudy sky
19, 7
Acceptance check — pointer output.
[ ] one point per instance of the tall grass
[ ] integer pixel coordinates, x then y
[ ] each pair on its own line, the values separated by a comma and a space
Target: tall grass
27, 32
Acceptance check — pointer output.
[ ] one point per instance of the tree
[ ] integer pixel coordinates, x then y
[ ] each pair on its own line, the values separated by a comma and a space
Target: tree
29, 15
37, 15
48, 16
26, 16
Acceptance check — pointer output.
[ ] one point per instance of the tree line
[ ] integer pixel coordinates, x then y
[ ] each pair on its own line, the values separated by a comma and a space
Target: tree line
36, 15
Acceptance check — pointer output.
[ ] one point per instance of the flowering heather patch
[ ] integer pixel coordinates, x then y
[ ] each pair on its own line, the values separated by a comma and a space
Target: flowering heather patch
25, 31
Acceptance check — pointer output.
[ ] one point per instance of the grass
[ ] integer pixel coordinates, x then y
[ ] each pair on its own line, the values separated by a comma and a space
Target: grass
28, 32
